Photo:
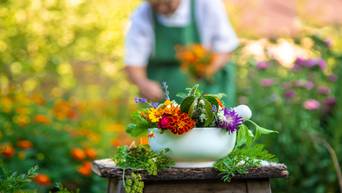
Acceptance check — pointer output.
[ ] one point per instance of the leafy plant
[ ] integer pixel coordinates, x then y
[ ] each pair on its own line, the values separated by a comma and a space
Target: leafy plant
137, 158
14, 182
241, 160
199, 106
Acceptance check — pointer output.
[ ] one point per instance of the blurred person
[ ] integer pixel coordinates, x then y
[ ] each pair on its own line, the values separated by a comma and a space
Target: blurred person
158, 26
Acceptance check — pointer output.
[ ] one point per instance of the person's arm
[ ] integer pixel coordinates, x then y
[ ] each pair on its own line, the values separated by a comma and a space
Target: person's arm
218, 63
148, 88
221, 36
138, 48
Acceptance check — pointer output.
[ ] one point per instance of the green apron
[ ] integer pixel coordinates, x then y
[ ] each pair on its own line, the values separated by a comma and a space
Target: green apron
164, 66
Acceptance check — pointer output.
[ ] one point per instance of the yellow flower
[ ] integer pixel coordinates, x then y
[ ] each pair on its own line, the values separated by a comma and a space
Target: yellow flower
6, 104
167, 102
154, 115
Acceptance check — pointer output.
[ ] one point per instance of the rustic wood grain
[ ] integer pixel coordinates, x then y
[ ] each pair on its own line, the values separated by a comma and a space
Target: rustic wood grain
197, 186
258, 186
106, 168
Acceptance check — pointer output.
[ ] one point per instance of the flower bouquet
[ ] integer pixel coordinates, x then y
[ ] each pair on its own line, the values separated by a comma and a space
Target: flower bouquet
198, 131
195, 60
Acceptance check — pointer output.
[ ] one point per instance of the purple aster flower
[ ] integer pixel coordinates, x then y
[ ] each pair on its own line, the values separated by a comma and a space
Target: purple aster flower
309, 63
289, 94
332, 78
230, 121
140, 100
323, 90
262, 65
155, 105
329, 104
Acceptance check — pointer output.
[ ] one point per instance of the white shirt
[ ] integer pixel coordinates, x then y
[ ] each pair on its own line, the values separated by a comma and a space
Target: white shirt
214, 29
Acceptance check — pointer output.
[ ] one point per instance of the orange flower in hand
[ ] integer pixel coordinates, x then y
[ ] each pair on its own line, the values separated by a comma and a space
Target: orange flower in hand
42, 180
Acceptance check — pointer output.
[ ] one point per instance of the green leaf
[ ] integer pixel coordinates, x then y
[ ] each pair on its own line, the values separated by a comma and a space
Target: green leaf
212, 100
186, 104
219, 95
209, 113
181, 95
245, 136
139, 125
260, 130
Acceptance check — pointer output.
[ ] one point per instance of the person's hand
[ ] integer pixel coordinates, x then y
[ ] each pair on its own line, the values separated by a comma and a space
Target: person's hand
151, 90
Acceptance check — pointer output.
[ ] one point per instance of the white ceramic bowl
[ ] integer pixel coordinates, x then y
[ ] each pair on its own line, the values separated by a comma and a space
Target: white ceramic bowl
201, 145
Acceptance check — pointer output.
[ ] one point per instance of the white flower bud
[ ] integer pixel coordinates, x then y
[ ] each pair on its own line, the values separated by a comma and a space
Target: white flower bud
243, 111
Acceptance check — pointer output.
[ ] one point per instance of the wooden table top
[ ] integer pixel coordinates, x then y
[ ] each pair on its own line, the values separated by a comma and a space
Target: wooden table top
106, 168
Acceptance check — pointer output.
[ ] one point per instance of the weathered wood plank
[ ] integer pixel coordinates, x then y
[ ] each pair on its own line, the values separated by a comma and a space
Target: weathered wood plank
106, 168
115, 186
259, 186
195, 187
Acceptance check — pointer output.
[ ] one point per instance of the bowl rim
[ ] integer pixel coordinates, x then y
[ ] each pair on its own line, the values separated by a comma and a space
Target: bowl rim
197, 128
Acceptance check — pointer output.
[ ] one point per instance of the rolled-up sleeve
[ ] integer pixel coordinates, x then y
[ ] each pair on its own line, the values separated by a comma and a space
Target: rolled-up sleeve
223, 39
139, 38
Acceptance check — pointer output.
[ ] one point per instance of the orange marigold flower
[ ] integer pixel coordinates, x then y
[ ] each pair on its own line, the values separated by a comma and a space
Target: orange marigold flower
8, 150
90, 153
78, 154
85, 169
24, 144
42, 119
42, 180
199, 50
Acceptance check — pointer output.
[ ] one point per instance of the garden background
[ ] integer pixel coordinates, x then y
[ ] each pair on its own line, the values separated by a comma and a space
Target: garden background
65, 101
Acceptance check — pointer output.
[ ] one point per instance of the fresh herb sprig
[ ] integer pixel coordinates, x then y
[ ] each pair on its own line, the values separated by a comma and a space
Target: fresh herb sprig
241, 160
140, 157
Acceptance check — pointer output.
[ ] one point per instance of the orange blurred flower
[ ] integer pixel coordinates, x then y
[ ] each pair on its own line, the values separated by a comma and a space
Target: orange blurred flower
90, 153
116, 143
38, 99
7, 150
42, 119
42, 180
85, 169
64, 109
78, 154
195, 59
143, 140
24, 144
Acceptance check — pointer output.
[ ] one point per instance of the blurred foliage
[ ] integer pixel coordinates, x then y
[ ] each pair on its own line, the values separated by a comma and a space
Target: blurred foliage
299, 102
64, 99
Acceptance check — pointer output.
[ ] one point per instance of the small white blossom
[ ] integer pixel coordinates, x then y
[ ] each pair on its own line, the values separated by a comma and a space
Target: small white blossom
203, 117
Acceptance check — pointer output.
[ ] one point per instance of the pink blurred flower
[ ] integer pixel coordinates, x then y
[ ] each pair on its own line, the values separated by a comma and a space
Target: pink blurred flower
289, 94
323, 90
332, 77
311, 104
267, 82
262, 65
309, 85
